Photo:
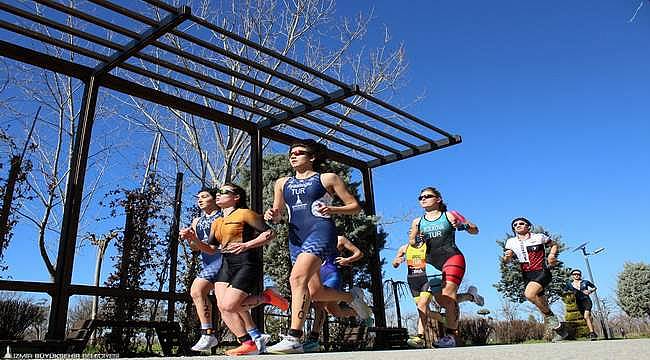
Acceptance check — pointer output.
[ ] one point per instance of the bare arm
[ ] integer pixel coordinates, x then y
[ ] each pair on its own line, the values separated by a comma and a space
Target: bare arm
470, 227
414, 230
399, 257
266, 235
274, 213
356, 252
552, 254
333, 183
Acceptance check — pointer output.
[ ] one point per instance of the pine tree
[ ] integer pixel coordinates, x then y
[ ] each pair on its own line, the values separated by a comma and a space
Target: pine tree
633, 289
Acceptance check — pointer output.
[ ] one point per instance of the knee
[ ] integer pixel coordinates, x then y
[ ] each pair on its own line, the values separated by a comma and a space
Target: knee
298, 280
423, 307
197, 293
530, 295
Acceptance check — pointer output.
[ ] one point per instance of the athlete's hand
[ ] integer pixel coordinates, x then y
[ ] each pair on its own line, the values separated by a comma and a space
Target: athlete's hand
325, 210
272, 215
342, 261
552, 260
236, 248
507, 255
586, 292
188, 234
397, 261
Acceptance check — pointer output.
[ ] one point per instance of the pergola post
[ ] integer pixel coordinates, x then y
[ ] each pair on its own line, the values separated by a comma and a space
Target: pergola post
374, 261
71, 210
256, 202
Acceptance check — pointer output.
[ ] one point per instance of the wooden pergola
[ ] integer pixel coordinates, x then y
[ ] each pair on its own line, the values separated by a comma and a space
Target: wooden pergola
361, 130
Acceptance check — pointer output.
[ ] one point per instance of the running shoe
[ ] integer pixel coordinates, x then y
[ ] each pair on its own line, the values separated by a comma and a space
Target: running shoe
593, 336
552, 322
311, 346
415, 342
359, 303
206, 342
273, 297
288, 345
560, 334
247, 348
477, 299
446, 341
261, 342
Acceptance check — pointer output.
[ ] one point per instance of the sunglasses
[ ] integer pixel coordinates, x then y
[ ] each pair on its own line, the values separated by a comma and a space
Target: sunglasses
519, 223
426, 196
577, 274
225, 192
298, 152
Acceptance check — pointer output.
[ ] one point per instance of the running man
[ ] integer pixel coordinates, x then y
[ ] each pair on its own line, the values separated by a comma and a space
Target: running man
307, 197
438, 228
197, 237
582, 289
423, 289
330, 276
530, 250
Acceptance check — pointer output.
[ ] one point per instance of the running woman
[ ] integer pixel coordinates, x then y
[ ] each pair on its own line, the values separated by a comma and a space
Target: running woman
582, 289
530, 250
330, 277
437, 227
197, 237
423, 289
237, 281
307, 196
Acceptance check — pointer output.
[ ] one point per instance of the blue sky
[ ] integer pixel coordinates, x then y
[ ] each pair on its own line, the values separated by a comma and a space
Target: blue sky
551, 101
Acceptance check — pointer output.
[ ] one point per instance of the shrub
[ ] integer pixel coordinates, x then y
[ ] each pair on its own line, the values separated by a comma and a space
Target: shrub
517, 331
475, 331
17, 315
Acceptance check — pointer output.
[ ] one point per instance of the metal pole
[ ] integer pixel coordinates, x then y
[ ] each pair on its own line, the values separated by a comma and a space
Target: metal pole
256, 205
173, 247
374, 261
602, 316
397, 308
71, 211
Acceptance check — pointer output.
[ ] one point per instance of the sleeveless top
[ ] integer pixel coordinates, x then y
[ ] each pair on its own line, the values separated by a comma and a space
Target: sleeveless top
202, 232
416, 260
303, 198
440, 238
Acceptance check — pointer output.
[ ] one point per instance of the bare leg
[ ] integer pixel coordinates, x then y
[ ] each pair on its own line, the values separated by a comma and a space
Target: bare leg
199, 292
447, 299
532, 293
587, 317
229, 301
306, 266
321, 293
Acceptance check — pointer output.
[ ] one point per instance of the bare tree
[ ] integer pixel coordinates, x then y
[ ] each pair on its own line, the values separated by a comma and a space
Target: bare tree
306, 30
54, 134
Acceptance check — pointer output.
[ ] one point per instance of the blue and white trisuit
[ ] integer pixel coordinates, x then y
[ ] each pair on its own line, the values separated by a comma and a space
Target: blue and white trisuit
309, 231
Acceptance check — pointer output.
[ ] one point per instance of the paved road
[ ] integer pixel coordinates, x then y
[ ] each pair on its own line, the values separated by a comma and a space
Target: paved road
573, 350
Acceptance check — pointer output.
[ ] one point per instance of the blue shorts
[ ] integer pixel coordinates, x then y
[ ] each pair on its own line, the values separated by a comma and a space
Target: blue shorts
330, 276
210, 271
323, 247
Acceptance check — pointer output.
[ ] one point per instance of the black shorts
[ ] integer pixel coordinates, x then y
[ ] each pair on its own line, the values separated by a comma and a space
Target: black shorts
542, 277
241, 275
418, 284
584, 304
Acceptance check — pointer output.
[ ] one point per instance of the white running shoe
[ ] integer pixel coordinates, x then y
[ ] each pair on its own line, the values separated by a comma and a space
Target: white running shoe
478, 299
288, 345
261, 342
446, 341
206, 342
359, 303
